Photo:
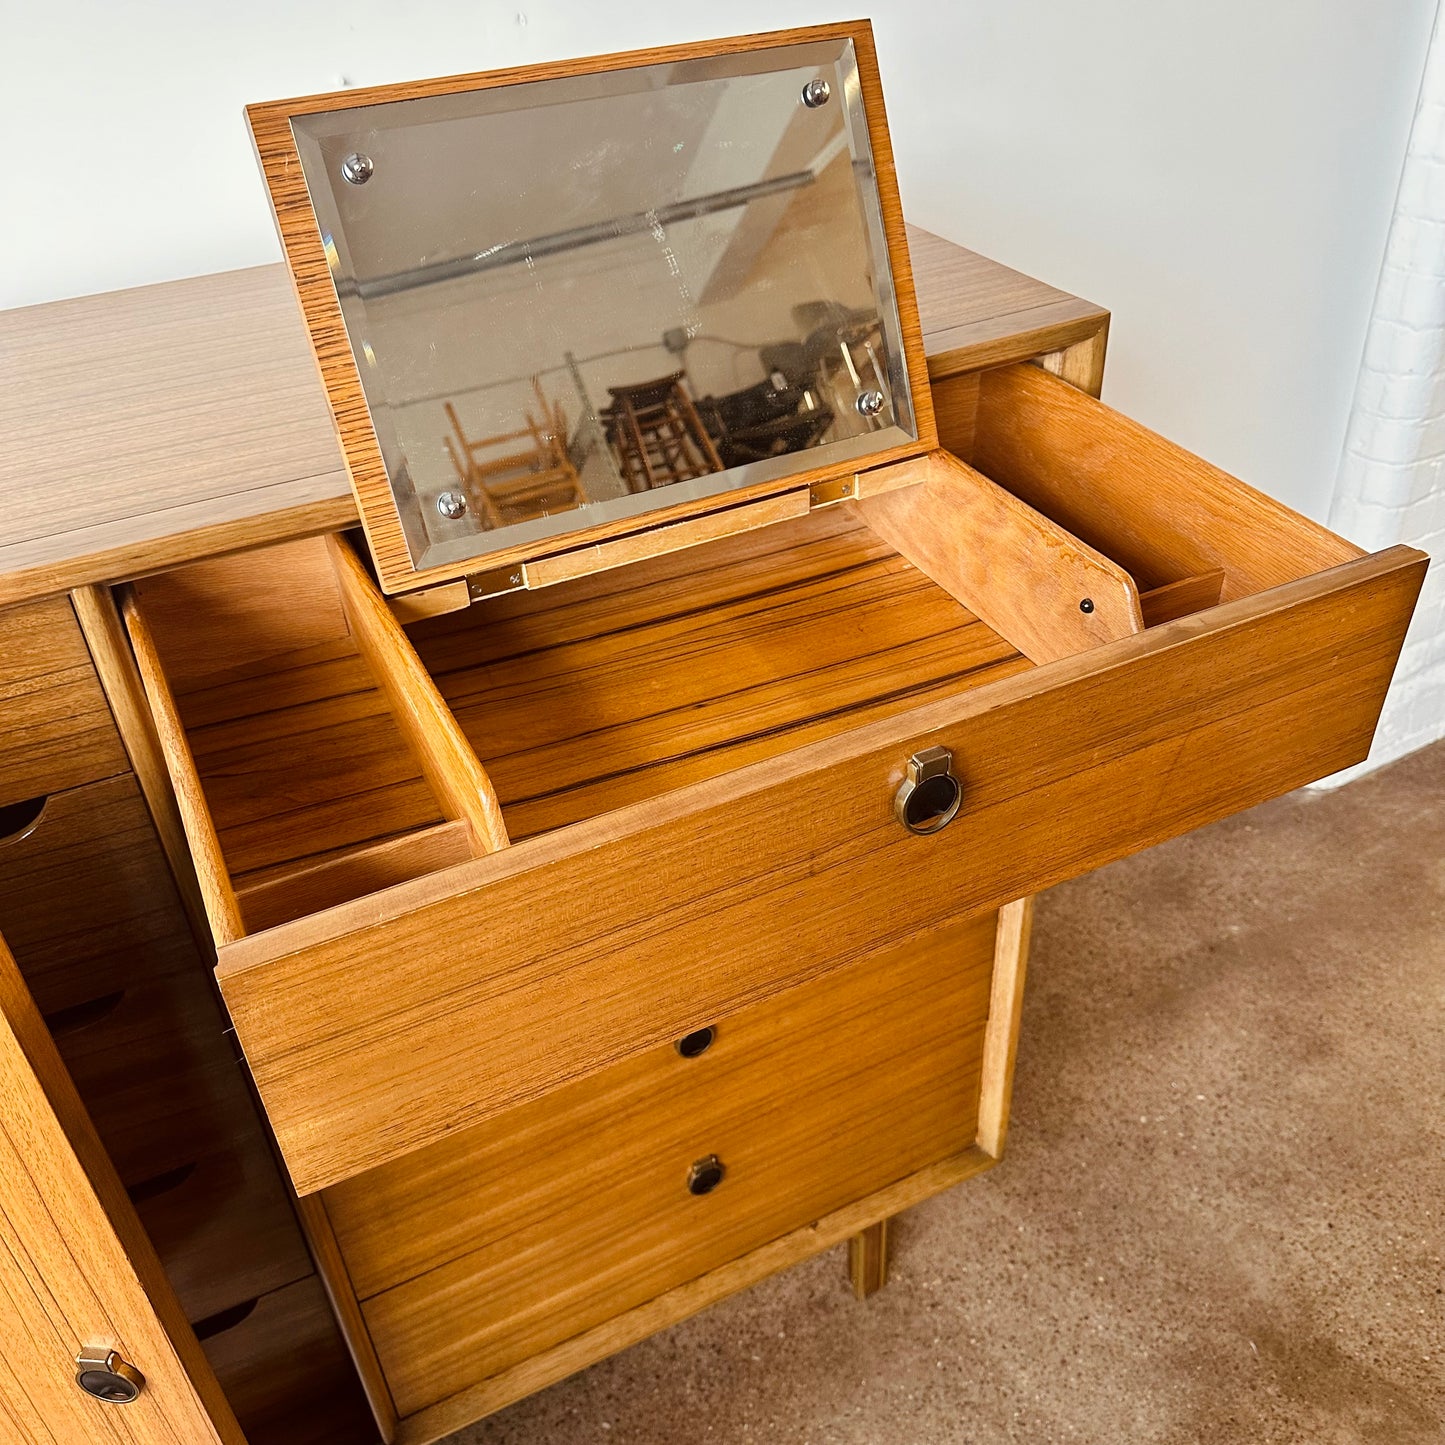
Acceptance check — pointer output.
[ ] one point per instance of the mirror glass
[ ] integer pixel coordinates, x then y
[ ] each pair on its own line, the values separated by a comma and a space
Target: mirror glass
582, 299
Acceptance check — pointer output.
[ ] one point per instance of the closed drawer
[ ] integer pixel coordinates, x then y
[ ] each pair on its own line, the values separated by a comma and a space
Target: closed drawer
160, 1080
697, 759
58, 729
87, 902
480, 1252
285, 1371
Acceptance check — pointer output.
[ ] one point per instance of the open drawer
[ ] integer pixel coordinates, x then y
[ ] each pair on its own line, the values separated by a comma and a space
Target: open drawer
456, 866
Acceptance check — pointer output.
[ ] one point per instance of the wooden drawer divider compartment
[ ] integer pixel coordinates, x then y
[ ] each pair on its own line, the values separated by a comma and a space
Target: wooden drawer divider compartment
610, 790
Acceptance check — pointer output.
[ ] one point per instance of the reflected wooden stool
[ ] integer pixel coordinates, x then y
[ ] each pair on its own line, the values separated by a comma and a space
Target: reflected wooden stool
657, 435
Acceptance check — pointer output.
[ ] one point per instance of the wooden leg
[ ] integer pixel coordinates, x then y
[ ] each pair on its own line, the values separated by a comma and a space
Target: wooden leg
868, 1259
1001, 1037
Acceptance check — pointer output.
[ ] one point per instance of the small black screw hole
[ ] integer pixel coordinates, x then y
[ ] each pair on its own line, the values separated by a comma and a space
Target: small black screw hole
699, 1041
1087, 605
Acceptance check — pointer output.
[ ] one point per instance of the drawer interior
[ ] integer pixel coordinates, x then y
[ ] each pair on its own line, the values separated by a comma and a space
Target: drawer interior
577, 699
590, 695
308, 748
1180, 527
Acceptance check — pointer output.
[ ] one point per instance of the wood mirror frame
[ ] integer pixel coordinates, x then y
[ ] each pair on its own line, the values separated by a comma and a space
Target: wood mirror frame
700, 519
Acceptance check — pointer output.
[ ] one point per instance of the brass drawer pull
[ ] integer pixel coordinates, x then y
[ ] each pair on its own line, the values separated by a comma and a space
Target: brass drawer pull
699, 1041
930, 795
705, 1175
104, 1375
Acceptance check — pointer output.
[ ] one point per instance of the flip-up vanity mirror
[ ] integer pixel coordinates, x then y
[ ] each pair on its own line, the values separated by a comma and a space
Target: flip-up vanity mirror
619, 860
600, 299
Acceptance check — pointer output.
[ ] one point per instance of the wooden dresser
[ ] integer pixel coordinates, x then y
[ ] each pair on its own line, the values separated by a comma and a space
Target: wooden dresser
713, 1011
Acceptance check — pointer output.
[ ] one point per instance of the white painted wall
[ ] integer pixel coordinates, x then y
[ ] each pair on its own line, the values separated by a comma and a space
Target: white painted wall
1220, 175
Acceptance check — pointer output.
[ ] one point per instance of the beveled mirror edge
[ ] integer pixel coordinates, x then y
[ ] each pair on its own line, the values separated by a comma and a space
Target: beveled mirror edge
276, 151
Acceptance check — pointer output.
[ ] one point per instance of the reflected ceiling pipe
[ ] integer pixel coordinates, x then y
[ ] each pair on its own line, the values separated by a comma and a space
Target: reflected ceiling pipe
510, 253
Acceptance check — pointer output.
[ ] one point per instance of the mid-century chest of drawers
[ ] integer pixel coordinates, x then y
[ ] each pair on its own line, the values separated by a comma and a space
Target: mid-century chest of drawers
616, 862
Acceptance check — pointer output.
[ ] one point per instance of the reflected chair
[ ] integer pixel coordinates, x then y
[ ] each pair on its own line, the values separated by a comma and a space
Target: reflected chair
530, 480
656, 434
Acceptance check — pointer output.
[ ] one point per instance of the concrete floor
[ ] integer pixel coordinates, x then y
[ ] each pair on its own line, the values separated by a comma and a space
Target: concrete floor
1219, 1217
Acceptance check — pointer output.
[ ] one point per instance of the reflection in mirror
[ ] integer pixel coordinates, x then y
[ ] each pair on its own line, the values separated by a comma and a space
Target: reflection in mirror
578, 300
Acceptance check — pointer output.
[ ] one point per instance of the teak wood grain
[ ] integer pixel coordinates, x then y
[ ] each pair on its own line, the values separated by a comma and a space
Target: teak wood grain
295, 746
1001, 1041
340, 1293
457, 779
1159, 511
1076, 763
197, 407
578, 698
115, 664
212, 875
593, 695
58, 730
977, 314
1043, 590
76, 1269
481, 1252
294, 891
868, 1260
678, 1304
311, 274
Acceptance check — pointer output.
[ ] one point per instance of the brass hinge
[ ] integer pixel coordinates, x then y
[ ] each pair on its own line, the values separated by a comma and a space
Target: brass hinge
837, 489
481, 585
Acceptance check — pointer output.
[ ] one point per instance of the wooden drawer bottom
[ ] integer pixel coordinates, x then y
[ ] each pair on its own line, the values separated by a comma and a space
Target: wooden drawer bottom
478, 1253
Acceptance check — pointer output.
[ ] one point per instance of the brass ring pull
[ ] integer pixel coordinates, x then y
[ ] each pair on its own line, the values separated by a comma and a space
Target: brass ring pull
105, 1376
930, 795
705, 1175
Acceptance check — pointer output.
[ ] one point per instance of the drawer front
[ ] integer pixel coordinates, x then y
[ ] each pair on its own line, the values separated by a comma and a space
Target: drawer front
58, 728
381, 1026
482, 1251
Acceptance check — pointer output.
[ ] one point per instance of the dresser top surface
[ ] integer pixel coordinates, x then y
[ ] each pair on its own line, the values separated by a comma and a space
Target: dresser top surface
147, 427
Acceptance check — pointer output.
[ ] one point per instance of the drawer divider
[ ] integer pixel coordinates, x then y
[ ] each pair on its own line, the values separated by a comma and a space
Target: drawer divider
448, 762
213, 876
1021, 573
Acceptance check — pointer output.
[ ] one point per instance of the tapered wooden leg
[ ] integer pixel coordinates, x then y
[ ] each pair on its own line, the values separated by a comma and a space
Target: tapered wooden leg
868, 1259
1001, 1037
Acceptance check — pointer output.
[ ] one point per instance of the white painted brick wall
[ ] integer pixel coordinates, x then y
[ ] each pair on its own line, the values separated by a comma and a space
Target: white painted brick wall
1391, 484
